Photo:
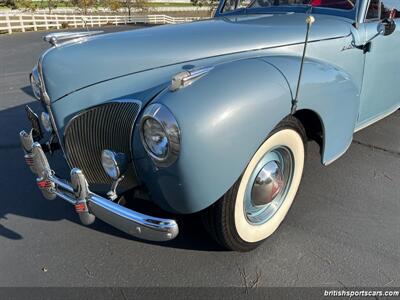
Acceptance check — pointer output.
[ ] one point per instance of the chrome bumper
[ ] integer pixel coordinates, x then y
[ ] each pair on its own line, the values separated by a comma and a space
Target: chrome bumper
88, 205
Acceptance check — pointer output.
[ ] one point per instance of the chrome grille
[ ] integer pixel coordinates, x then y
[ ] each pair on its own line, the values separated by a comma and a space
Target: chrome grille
107, 126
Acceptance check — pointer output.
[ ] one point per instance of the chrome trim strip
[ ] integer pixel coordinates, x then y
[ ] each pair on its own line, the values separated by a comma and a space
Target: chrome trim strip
187, 77
46, 97
47, 100
198, 72
55, 37
34, 79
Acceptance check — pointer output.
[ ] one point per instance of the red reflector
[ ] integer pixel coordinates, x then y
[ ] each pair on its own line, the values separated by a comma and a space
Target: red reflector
29, 161
80, 207
44, 184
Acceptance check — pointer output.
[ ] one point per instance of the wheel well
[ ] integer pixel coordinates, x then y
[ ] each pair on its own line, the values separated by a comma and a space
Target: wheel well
312, 124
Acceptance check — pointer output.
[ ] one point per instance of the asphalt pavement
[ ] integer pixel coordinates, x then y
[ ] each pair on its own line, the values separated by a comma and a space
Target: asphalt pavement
342, 230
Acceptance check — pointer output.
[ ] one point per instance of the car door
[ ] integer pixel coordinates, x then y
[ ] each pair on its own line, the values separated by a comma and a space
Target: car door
380, 89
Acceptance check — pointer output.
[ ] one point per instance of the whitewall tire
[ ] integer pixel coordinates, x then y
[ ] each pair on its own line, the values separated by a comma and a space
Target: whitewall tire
254, 207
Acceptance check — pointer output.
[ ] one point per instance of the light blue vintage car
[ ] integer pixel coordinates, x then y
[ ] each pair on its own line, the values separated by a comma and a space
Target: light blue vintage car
210, 116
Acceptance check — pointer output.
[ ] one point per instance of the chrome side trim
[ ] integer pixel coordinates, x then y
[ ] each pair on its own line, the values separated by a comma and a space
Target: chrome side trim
56, 37
45, 96
46, 99
34, 79
187, 77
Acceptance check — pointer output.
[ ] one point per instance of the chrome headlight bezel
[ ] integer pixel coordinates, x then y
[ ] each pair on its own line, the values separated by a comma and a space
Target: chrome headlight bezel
34, 79
167, 121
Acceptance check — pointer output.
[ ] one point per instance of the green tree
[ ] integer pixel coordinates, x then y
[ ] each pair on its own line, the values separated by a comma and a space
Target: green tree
113, 5
8, 3
27, 5
131, 4
49, 4
84, 5
212, 4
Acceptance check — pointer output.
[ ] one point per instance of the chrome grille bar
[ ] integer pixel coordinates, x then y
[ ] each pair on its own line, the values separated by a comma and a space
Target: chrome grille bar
107, 126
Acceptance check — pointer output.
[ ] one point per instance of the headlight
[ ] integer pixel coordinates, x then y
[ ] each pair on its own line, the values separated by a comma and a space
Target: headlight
45, 119
155, 137
35, 83
160, 135
114, 164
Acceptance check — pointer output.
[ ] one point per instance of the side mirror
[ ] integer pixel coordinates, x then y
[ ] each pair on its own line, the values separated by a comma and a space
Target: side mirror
388, 26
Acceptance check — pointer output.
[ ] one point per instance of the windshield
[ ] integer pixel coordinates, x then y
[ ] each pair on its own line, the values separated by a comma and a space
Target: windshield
233, 5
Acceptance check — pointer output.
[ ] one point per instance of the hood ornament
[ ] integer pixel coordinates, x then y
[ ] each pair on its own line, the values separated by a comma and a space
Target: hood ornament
309, 20
56, 37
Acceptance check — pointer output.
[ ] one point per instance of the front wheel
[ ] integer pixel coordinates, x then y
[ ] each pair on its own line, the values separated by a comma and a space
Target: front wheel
254, 207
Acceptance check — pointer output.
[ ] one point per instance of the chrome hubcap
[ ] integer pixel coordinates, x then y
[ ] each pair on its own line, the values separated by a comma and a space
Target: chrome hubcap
268, 185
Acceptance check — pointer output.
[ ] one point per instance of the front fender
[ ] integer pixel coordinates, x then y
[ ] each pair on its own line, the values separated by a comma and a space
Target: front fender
224, 117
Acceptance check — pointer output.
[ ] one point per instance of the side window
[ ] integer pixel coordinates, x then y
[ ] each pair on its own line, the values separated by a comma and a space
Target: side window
381, 9
231, 5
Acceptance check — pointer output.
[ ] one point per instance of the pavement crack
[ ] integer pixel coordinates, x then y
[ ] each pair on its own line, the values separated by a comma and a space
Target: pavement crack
341, 283
247, 282
89, 273
324, 259
123, 294
373, 147
382, 174
385, 277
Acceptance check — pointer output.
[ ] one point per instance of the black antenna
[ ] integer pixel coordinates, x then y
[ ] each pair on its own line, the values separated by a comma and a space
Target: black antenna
309, 20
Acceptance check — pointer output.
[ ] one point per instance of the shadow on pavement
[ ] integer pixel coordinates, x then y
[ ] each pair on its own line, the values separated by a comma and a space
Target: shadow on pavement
28, 90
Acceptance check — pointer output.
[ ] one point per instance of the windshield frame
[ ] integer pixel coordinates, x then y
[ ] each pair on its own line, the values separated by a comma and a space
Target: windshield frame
351, 14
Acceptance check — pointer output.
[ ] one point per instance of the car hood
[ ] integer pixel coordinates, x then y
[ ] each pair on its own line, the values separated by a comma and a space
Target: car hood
75, 65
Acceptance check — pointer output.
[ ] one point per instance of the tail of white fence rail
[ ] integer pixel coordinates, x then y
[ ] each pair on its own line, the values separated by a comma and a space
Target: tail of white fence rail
22, 22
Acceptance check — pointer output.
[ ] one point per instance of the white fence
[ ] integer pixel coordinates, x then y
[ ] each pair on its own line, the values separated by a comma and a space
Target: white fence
100, 10
29, 22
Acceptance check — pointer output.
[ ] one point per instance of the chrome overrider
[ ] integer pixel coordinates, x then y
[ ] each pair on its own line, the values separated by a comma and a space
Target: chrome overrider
89, 205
